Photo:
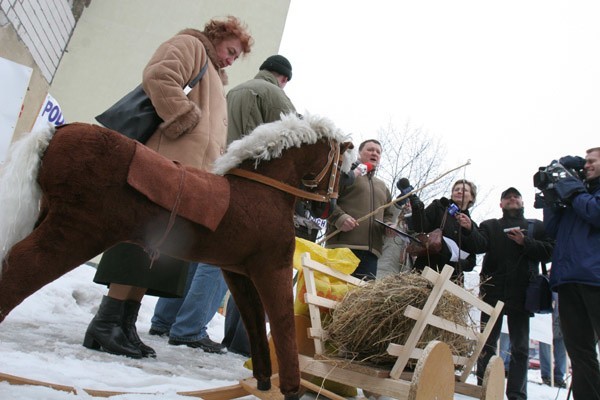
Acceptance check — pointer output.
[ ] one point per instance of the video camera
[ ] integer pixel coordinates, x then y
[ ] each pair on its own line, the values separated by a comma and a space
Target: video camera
546, 178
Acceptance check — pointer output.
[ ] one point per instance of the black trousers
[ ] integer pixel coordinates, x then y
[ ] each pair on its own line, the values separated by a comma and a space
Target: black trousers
518, 332
367, 268
236, 337
579, 311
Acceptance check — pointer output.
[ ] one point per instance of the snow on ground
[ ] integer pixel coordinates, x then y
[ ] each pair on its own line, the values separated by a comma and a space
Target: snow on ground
41, 339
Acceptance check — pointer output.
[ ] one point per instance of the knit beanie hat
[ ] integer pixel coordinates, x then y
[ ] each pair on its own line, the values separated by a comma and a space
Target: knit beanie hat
278, 64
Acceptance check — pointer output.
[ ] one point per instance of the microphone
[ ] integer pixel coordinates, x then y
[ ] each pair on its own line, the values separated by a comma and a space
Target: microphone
404, 183
405, 187
364, 168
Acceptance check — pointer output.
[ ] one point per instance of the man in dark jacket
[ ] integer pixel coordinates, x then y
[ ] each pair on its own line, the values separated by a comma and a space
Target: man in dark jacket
576, 268
515, 246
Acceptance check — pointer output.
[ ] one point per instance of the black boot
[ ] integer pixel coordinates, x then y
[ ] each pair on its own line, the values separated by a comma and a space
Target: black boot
105, 333
130, 315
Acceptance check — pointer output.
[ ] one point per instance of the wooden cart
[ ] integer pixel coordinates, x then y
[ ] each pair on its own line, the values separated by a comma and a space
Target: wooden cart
434, 376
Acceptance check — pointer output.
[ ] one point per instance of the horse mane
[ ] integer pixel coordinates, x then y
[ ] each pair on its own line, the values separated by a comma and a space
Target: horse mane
268, 141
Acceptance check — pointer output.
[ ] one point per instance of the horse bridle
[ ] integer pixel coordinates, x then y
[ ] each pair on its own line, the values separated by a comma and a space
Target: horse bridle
333, 163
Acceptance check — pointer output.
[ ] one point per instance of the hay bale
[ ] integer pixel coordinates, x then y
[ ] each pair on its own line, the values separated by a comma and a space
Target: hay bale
372, 316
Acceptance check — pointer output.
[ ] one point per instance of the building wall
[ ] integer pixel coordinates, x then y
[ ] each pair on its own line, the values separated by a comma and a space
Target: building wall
44, 27
114, 39
112, 42
35, 33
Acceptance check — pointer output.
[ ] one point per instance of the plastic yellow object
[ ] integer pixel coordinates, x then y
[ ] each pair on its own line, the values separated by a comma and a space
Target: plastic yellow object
341, 259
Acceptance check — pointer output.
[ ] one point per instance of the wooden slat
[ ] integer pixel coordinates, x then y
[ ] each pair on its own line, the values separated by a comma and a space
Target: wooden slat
315, 313
18, 380
397, 349
250, 386
434, 320
315, 300
308, 262
220, 393
494, 315
468, 390
360, 367
318, 333
385, 386
437, 291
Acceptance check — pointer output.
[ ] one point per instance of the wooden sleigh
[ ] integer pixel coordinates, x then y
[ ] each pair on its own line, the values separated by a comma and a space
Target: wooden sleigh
434, 376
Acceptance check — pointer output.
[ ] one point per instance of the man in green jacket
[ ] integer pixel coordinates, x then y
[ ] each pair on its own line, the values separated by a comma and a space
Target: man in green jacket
259, 100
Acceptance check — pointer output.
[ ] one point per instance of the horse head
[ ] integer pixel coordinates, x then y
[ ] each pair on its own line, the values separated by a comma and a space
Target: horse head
323, 186
316, 154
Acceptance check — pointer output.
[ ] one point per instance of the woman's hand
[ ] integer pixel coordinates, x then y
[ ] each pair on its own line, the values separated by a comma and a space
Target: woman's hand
464, 221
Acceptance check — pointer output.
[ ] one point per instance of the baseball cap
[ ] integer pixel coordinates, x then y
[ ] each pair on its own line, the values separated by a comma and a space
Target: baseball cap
509, 191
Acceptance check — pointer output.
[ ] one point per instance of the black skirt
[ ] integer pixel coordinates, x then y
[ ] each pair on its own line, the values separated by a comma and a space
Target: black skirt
129, 264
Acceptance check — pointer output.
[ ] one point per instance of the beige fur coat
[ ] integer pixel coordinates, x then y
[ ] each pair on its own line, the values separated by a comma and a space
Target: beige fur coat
194, 131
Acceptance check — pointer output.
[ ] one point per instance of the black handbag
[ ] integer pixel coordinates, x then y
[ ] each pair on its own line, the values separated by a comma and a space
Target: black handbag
538, 297
134, 115
428, 243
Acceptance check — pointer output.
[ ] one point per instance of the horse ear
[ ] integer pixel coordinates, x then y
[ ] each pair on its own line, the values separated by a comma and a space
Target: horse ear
346, 146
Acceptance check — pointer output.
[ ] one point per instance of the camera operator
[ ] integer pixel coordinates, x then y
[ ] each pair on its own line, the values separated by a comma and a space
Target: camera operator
575, 271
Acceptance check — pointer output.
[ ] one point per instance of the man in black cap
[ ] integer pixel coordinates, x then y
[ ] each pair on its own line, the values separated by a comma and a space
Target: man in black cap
515, 247
259, 101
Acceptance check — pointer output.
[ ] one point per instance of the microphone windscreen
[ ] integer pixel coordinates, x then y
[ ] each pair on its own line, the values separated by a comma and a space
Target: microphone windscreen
402, 183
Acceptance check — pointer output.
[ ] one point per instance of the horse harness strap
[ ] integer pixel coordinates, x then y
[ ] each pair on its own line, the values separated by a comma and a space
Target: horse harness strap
152, 249
265, 180
332, 158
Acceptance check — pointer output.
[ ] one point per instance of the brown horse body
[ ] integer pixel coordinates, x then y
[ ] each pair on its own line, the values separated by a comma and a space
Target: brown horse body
87, 206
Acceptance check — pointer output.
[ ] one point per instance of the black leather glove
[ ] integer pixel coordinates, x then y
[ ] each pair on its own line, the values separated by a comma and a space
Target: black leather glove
415, 202
568, 188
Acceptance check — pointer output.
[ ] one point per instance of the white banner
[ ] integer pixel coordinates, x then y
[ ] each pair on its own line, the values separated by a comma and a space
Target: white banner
15, 80
50, 113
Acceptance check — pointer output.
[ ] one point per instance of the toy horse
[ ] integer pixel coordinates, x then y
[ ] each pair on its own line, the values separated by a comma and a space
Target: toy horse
67, 194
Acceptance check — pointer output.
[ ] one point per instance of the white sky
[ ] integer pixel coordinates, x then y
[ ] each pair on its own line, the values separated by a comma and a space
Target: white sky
509, 85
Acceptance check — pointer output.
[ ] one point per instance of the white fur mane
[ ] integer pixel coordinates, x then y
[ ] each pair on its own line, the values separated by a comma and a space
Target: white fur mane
268, 141
19, 190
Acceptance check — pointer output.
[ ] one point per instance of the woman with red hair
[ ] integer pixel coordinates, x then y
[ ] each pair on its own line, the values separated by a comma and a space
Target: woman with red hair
193, 132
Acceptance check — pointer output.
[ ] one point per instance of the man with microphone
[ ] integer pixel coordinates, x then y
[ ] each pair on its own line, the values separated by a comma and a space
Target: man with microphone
364, 196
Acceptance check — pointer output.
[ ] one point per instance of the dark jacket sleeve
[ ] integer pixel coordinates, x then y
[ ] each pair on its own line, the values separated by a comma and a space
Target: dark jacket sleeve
539, 247
426, 219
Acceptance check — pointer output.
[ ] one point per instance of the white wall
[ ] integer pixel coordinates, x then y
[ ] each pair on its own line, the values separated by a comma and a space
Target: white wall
114, 39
